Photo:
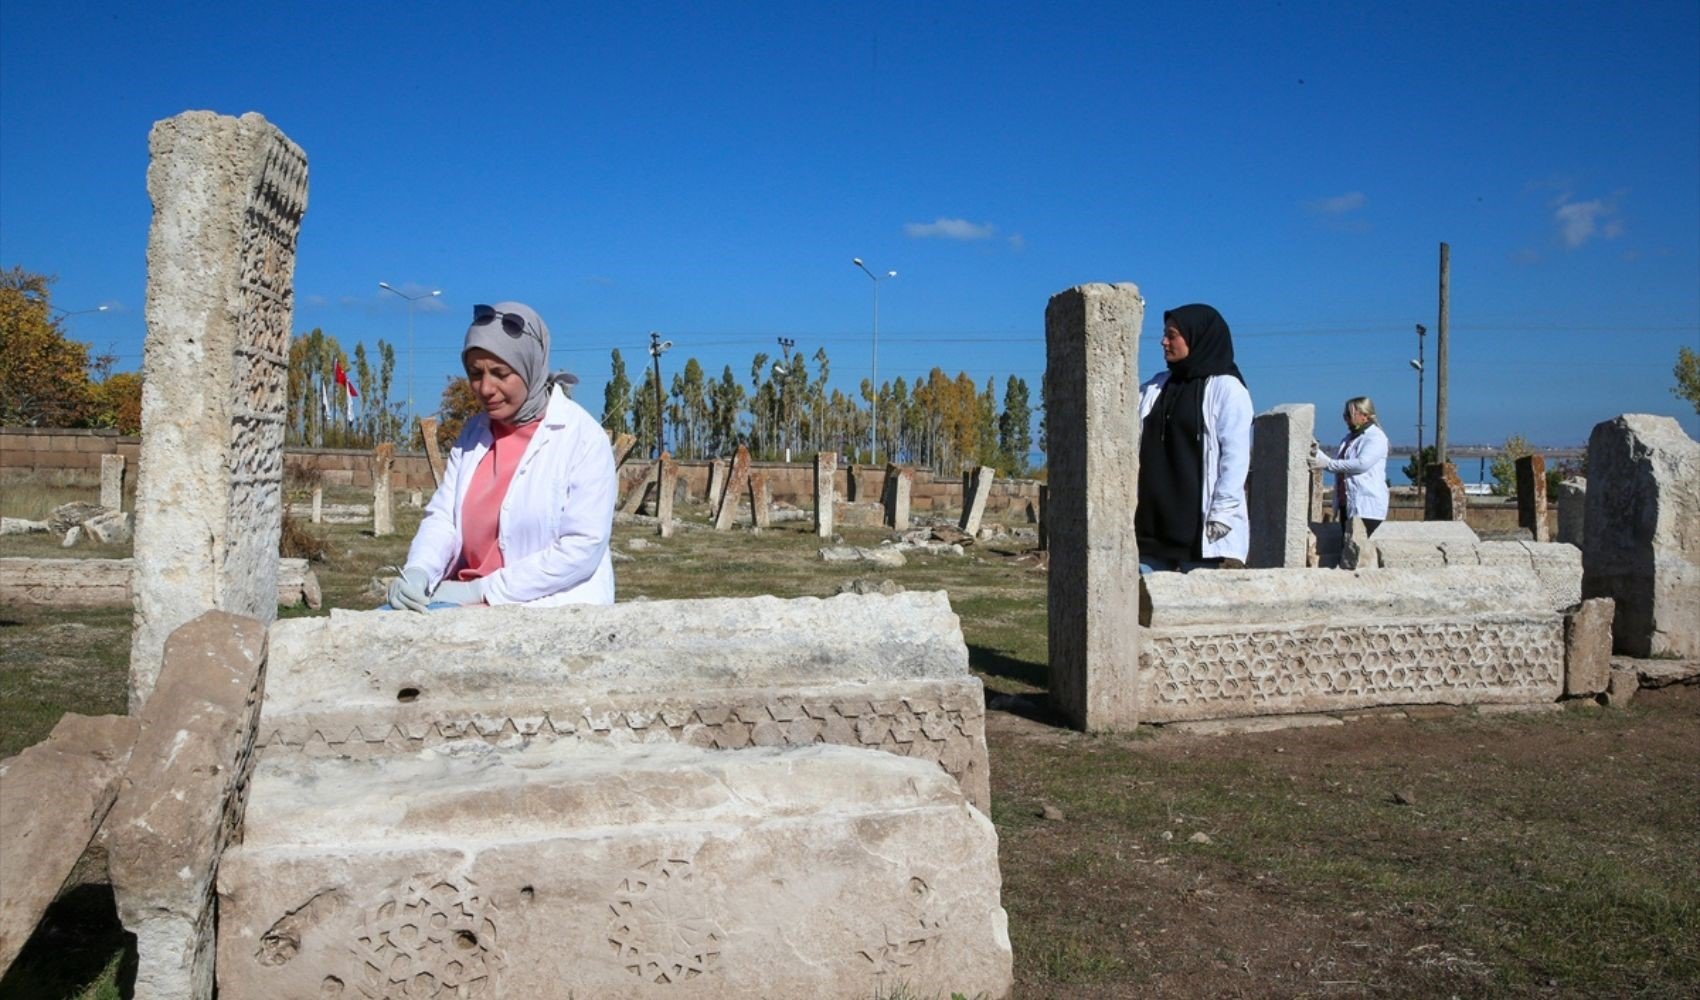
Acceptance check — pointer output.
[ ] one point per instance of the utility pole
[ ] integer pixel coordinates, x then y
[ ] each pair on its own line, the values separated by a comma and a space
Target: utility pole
1422, 360
657, 347
1440, 356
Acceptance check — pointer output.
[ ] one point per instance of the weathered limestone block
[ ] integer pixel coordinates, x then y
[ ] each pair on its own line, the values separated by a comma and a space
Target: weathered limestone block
110, 528
979, 486
1392, 554
1532, 496
860, 515
1357, 548
1092, 400
105, 583
1572, 510
883, 556
1641, 545
1278, 490
433, 455
900, 486
55, 795
826, 467
669, 481
622, 445
318, 503
883, 672
633, 872
737, 483
1587, 648
182, 799
717, 470
228, 197
112, 482
1242, 596
1437, 532
761, 500
634, 498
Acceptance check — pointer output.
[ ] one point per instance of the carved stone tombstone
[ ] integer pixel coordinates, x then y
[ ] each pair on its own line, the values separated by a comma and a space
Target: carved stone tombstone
1044, 517
1572, 510
1445, 499
318, 503
761, 500
1532, 496
1278, 496
979, 486
228, 197
112, 482
736, 483
826, 467
1092, 406
1641, 545
899, 488
383, 493
716, 483
664, 496
433, 457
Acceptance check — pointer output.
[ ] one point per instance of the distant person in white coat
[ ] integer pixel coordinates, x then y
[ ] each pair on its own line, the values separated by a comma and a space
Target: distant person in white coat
1194, 449
526, 506
1359, 466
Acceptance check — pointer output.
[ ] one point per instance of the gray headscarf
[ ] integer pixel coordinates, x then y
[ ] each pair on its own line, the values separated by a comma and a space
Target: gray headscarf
516, 334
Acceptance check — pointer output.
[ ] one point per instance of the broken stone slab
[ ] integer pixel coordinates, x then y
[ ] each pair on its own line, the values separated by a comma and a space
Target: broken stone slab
69, 515
105, 583
1642, 537
55, 794
879, 557
1620, 691
1407, 555
886, 673
1587, 648
1660, 673
1526, 708
629, 872
110, 528
1247, 596
930, 548
182, 799
21, 526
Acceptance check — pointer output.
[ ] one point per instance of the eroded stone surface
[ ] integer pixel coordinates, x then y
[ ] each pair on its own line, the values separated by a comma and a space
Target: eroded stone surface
105, 583
112, 482
637, 872
826, 465
1641, 544
1572, 503
1278, 490
737, 483
383, 493
1092, 417
1587, 648
182, 799
979, 486
55, 795
1249, 596
228, 197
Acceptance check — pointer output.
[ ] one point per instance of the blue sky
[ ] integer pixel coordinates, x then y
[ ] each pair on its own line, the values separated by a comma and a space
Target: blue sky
709, 171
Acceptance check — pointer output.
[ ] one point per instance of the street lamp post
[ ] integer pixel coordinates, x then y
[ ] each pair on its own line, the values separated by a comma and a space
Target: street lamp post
1420, 365
658, 347
386, 286
874, 380
784, 372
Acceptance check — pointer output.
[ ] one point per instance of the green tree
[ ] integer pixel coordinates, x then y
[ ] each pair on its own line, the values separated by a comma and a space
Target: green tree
44, 378
1015, 436
1504, 468
617, 397
1414, 467
455, 407
1687, 374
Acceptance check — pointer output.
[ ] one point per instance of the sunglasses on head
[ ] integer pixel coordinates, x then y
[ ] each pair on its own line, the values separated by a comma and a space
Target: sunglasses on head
513, 324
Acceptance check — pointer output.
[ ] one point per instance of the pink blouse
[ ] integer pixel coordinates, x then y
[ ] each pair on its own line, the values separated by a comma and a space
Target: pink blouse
481, 510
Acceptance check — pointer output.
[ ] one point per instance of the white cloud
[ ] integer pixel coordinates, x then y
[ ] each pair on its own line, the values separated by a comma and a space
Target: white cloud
1579, 222
949, 229
1018, 242
1340, 204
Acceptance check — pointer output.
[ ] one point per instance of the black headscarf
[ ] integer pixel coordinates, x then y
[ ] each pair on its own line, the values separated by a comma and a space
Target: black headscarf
1169, 519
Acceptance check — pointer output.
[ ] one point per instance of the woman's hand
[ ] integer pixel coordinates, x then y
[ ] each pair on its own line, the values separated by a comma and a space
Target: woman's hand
407, 591
461, 592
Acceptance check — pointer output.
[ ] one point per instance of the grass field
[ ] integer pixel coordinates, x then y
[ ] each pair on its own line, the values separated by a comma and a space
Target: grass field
1529, 856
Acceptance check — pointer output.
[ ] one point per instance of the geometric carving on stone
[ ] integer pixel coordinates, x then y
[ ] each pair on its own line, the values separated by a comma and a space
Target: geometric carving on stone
228, 197
663, 927
432, 938
916, 924
1216, 672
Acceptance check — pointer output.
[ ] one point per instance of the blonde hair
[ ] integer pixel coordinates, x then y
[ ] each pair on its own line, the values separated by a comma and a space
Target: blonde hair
1365, 406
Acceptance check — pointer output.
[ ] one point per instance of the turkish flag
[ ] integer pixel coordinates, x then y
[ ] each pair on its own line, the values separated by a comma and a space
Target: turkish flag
342, 380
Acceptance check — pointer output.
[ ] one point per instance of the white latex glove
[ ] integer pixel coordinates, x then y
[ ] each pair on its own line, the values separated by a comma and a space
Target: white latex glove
1318, 460
462, 592
1215, 530
407, 591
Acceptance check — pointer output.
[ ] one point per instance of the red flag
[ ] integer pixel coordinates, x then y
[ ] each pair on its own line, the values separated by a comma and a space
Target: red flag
342, 380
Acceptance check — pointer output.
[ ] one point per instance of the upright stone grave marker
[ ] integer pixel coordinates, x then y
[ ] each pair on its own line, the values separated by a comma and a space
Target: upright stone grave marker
716, 484
1532, 496
1641, 544
228, 197
1446, 499
664, 496
736, 483
979, 486
383, 493
1279, 494
1092, 400
318, 503
899, 488
826, 467
112, 482
433, 456
1572, 510
761, 500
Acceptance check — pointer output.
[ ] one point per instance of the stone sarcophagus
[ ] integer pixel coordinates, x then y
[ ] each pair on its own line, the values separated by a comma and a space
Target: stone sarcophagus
1267, 642
880, 672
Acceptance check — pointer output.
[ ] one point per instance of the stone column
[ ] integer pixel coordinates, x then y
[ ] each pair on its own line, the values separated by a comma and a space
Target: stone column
899, 487
1278, 494
1092, 396
112, 482
979, 487
318, 503
1445, 497
1641, 544
664, 495
1532, 496
433, 456
383, 491
228, 197
1572, 509
826, 467
737, 481
716, 483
